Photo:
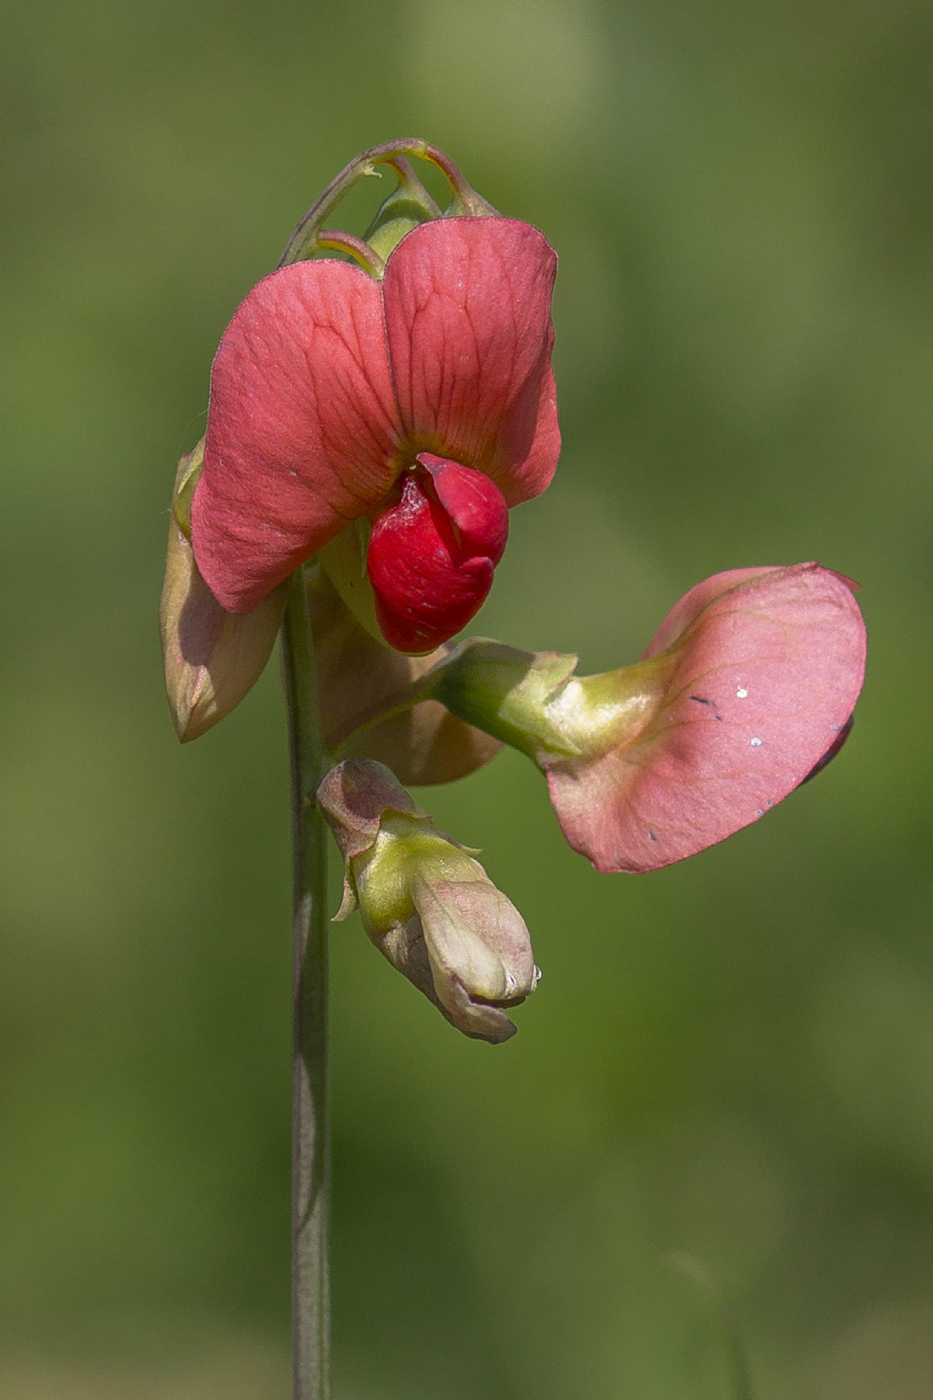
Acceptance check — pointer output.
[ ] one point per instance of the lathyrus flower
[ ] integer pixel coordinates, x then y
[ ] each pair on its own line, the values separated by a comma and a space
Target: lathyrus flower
418, 401
428, 906
747, 689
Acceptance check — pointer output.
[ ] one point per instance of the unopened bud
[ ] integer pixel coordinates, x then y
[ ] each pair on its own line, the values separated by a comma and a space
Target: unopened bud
428, 906
405, 208
212, 657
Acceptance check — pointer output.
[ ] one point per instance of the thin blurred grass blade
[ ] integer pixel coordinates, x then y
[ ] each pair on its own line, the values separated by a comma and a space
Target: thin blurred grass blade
741, 1387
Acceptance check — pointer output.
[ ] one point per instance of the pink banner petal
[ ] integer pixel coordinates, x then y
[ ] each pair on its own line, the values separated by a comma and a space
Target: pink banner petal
529, 476
469, 325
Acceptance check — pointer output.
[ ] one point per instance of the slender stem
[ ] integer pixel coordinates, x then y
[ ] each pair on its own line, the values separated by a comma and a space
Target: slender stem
310, 1108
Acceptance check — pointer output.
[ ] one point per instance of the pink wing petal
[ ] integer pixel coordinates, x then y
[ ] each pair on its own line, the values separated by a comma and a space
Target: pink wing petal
769, 667
300, 430
468, 312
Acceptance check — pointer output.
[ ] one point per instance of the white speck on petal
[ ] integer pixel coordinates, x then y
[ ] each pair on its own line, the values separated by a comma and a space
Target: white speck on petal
756, 743
741, 693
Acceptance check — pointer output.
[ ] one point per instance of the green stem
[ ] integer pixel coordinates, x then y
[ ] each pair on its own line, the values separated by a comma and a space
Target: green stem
310, 1108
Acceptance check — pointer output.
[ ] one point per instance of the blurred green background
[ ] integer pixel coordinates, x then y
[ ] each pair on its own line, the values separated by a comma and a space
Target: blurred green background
731, 1059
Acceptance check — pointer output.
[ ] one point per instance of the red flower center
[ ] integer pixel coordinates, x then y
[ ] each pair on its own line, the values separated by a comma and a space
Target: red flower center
433, 551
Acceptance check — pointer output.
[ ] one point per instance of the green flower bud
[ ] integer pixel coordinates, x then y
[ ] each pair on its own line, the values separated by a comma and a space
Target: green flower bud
406, 207
428, 906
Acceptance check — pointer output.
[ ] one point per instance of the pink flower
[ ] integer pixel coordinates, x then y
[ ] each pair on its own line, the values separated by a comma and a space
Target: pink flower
745, 691
762, 669
423, 403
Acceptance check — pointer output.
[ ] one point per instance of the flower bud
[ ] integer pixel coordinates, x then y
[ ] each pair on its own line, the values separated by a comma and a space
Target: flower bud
405, 208
428, 906
212, 657
747, 689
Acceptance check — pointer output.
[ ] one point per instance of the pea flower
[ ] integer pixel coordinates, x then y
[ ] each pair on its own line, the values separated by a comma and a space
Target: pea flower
746, 690
416, 398
428, 906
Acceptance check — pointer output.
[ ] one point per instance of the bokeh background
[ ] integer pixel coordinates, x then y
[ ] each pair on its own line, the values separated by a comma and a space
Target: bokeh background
728, 1068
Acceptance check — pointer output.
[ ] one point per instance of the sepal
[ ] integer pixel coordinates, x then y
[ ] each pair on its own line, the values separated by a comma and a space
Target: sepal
509, 693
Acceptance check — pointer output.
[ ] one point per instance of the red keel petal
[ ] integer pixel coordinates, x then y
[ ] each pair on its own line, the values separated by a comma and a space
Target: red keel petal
426, 577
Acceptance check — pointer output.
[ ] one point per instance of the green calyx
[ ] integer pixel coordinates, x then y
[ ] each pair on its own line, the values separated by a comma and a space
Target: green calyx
506, 693
534, 702
406, 849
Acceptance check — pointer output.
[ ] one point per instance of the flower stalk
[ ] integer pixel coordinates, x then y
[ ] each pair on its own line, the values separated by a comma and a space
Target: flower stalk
310, 1088
305, 241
